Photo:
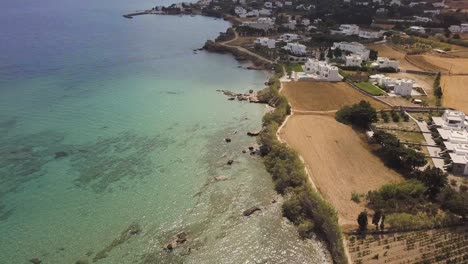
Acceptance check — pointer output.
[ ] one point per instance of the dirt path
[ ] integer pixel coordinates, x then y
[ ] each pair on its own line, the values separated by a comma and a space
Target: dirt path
244, 50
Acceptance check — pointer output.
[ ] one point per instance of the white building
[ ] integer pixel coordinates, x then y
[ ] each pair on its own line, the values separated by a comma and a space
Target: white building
240, 11
268, 5
417, 29
288, 3
266, 42
383, 62
347, 29
263, 23
290, 25
367, 34
353, 47
353, 60
253, 13
463, 28
403, 87
453, 128
422, 19
264, 12
296, 49
289, 37
305, 22
320, 70
279, 4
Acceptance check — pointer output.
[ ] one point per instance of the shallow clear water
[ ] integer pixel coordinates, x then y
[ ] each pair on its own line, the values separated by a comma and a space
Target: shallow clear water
106, 122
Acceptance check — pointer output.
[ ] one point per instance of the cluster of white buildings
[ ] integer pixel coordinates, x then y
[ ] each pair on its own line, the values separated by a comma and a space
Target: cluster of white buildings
262, 23
351, 29
353, 47
453, 128
463, 28
319, 71
402, 87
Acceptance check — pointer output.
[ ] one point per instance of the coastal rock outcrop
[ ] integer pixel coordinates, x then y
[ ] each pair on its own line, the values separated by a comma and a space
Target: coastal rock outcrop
60, 154
253, 134
176, 241
251, 210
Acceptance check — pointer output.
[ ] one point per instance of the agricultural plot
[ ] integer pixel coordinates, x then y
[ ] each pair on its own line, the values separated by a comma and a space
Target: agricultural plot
436, 63
455, 91
324, 96
339, 161
446, 245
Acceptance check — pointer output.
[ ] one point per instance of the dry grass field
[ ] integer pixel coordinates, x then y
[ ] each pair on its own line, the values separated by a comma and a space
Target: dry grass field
324, 96
447, 245
455, 90
386, 51
338, 160
242, 41
444, 64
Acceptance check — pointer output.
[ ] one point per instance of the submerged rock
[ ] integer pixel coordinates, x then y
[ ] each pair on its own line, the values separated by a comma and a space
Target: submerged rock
251, 210
35, 261
229, 162
128, 233
60, 154
227, 140
253, 134
221, 178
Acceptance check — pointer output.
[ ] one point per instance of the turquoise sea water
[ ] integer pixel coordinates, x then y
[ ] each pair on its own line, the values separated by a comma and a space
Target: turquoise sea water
107, 122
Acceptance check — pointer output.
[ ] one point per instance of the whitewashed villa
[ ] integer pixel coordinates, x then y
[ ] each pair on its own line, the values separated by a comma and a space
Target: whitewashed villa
353, 47
353, 60
263, 23
266, 42
296, 49
383, 62
319, 71
453, 128
289, 37
402, 87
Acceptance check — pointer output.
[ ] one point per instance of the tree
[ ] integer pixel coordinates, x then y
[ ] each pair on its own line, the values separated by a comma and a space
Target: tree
434, 179
373, 54
360, 115
382, 225
362, 221
322, 56
330, 54
453, 201
337, 53
376, 218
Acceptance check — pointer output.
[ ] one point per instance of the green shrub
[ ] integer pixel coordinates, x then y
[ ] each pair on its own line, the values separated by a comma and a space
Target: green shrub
355, 197
360, 115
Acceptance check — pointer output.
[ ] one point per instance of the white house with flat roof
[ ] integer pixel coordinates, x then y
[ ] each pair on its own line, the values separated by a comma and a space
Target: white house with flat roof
263, 23
266, 42
368, 34
403, 87
349, 29
383, 62
296, 49
320, 71
353, 60
417, 29
289, 37
353, 47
